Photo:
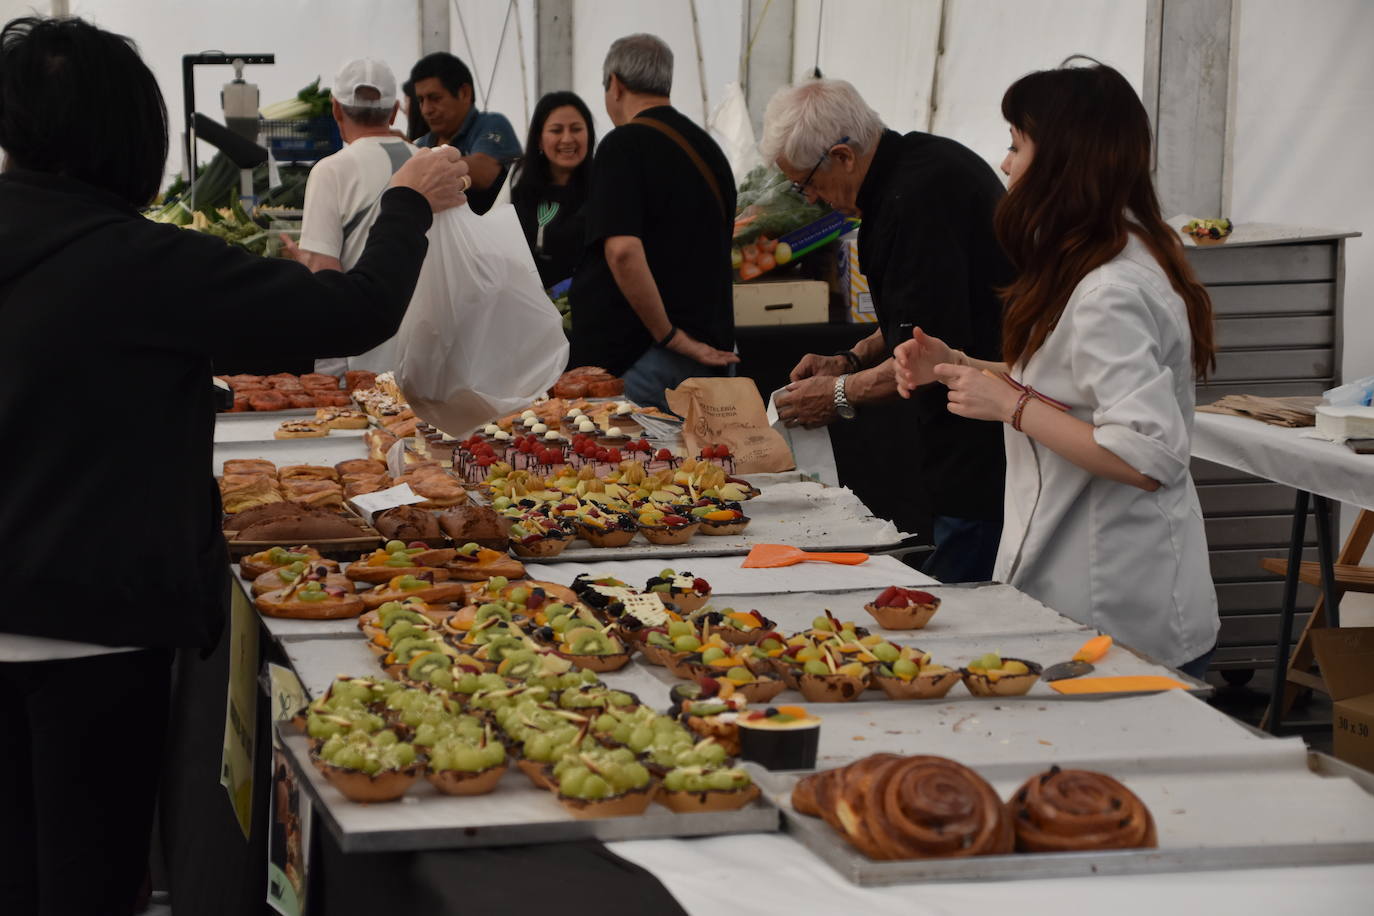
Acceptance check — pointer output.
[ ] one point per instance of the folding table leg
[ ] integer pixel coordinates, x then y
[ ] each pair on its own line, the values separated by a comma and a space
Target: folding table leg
1325, 560
1290, 598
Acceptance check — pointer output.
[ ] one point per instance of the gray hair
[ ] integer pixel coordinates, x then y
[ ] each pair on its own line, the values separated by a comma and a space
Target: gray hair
801, 122
643, 62
367, 116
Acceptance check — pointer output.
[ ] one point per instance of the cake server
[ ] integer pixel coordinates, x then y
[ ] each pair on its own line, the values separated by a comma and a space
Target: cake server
1082, 661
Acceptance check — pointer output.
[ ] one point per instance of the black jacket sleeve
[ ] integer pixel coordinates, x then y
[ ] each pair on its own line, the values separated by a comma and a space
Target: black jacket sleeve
238, 304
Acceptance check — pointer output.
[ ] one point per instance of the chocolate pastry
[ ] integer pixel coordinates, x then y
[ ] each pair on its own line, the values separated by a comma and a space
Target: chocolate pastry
406, 523
468, 524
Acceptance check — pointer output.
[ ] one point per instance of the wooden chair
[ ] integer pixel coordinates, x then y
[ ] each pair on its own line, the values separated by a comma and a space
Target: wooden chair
1349, 577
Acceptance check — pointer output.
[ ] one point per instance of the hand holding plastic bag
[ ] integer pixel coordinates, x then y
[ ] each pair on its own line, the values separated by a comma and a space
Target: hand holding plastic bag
481, 337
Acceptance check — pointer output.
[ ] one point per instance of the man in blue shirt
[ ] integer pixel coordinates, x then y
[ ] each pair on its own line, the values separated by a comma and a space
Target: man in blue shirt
443, 85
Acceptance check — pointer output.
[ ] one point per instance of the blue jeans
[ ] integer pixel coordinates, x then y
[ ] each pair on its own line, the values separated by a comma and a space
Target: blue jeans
965, 549
659, 369
1198, 667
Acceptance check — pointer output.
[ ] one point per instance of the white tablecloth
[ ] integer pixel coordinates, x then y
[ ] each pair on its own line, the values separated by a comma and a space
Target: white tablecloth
1282, 455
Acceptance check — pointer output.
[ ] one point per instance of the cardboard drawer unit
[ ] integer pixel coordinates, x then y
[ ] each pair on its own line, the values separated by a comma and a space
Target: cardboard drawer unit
765, 302
1277, 292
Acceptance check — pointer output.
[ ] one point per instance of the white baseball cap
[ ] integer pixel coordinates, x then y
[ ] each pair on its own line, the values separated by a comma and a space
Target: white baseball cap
365, 73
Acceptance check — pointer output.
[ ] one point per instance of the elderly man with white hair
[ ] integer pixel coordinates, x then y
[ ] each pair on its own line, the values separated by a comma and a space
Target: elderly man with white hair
932, 261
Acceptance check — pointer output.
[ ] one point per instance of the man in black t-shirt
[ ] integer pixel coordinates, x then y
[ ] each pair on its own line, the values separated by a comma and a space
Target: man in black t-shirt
932, 261
652, 300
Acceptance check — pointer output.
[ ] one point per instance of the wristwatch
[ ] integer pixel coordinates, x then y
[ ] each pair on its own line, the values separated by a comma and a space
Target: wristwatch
842, 406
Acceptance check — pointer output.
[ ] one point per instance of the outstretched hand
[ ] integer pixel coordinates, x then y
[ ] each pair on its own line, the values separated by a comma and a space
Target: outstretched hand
915, 361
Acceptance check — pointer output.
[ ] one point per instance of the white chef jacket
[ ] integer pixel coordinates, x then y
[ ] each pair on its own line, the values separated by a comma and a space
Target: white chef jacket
1109, 555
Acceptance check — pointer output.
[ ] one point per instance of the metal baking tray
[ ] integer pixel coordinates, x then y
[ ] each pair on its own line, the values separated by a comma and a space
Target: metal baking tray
515, 814
1337, 829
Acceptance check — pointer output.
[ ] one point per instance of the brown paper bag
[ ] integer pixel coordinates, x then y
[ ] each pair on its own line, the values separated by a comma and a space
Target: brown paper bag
729, 411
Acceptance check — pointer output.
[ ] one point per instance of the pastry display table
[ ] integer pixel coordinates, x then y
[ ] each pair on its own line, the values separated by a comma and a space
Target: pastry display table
1319, 472
216, 871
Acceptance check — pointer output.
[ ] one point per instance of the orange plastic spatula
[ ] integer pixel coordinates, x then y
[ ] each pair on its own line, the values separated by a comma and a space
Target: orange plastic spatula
768, 556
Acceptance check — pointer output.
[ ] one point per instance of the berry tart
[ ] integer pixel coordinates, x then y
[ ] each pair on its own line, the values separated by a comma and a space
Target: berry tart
903, 608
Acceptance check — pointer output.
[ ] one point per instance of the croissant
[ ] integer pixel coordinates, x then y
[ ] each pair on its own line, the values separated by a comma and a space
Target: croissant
245, 491
892, 807
307, 472
360, 466
1077, 810
249, 466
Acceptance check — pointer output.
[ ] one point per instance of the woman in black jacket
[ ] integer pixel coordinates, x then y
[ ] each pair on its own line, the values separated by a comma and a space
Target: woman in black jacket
551, 184
109, 324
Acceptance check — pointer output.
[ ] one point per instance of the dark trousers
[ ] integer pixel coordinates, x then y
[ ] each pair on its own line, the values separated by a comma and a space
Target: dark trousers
965, 549
81, 750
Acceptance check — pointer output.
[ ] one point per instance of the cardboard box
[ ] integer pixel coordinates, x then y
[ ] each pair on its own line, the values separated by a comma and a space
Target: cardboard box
764, 302
853, 284
1346, 657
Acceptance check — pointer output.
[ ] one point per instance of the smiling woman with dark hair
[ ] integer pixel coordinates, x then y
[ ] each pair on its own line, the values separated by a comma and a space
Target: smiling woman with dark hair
96, 301
552, 181
1104, 333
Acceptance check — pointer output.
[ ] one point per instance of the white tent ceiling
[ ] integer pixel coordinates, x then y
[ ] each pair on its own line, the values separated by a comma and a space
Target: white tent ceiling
1303, 88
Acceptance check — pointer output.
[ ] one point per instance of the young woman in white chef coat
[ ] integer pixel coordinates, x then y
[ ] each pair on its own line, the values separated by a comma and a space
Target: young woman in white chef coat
1104, 332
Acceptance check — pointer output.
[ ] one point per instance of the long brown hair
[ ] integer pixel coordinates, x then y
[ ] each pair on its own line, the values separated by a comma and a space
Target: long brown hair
1085, 188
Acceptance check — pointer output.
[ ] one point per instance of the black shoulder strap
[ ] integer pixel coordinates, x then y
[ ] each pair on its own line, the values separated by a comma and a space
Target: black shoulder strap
693, 155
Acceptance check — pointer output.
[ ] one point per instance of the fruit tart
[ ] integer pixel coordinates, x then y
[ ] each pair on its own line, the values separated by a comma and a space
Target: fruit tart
475, 563
720, 519
326, 571
905, 673
533, 536
369, 768
671, 645
1208, 231
310, 598
398, 558
738, 627
832, 679
461, 766
691, 789
593, 649
254, 565
636, 615
605, 527
603, 784
899, 608
689, 593
666, 527
991, 675
530, 595
376, 623
709, 714
421, 585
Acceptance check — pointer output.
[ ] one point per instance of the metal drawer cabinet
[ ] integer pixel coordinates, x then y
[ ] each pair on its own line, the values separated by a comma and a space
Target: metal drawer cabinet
1277, 294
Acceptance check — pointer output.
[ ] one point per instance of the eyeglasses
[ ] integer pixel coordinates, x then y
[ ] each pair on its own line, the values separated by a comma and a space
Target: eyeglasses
801, 186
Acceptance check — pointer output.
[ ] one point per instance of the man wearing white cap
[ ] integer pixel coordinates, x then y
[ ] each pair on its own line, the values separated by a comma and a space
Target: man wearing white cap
343, 192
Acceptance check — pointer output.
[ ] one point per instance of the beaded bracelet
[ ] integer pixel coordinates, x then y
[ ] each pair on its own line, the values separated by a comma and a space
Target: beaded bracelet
1026, 397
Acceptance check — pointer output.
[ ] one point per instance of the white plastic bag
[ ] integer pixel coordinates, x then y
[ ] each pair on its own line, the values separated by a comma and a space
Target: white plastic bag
481, 337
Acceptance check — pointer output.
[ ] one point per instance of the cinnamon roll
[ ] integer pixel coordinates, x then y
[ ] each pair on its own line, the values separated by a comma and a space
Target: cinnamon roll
1077, 810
